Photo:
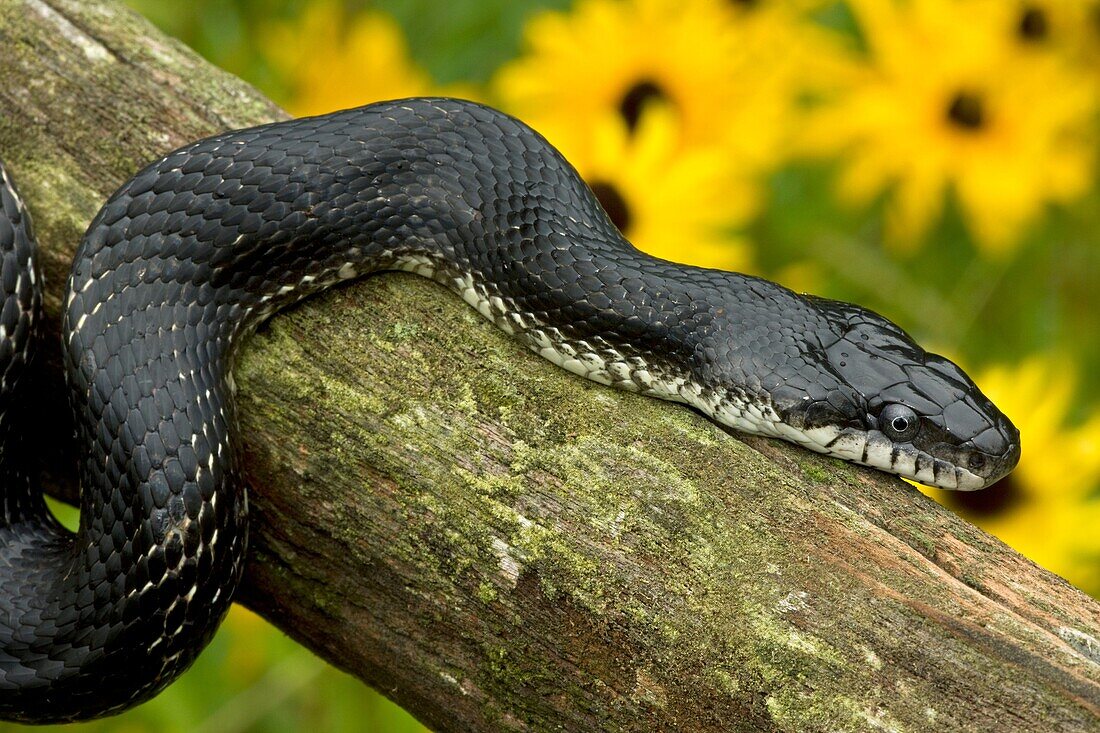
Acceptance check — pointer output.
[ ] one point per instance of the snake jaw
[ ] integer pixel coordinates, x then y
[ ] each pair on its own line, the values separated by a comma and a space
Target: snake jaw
962, 441
943, 465
939, 464
933, 463
873, 448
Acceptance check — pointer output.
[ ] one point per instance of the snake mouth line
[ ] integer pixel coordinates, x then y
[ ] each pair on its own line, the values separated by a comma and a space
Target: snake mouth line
872, 448
865, 447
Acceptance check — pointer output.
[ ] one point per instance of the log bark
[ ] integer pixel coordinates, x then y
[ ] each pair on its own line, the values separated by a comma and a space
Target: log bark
498, 545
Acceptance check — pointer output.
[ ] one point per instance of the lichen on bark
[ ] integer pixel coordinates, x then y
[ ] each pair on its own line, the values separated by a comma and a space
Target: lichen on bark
496, 544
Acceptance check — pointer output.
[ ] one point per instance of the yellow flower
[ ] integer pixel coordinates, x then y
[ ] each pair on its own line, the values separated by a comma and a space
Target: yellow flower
1048, 508
608, 55
720, 73
765, 100
673, 203
671, 109
1071, 27
334, 58
947, 100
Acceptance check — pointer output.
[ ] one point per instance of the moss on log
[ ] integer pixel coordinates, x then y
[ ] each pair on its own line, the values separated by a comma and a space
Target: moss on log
498, 545
89, 93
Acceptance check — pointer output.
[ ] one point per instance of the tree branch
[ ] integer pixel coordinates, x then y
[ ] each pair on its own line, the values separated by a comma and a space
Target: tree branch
496, 544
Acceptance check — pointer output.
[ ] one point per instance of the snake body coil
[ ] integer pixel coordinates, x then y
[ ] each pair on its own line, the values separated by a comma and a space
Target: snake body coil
199, 247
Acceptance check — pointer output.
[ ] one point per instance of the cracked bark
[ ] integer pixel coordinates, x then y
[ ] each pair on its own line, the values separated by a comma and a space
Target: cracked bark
496, 544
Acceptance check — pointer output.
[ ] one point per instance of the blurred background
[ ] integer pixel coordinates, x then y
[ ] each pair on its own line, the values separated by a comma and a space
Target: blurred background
934, 160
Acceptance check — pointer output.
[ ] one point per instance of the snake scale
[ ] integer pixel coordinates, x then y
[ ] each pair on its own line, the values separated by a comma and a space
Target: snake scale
198, 248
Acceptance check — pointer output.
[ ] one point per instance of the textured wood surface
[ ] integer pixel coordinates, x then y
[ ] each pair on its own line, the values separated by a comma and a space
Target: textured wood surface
498, 545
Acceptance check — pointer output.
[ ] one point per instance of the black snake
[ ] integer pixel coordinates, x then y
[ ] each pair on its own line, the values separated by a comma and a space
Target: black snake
199, 247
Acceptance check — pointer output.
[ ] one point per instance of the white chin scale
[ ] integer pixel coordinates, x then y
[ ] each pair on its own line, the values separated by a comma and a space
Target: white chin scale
866, 447
872, 448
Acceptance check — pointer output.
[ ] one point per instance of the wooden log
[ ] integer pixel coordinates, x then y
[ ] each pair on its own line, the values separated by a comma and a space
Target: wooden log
496, 544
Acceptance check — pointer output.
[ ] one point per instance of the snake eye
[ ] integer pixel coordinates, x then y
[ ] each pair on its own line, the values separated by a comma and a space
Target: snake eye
898, 422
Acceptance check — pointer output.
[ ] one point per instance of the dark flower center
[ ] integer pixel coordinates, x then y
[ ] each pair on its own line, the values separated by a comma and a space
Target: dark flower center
636, 98
613, 203
998, 499
1033, 24
966, 111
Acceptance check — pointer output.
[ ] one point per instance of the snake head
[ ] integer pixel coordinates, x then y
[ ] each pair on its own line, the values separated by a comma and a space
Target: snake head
839, 379
908, 411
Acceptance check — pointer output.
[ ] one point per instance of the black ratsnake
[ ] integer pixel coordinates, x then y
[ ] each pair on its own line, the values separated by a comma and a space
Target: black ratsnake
201, 246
